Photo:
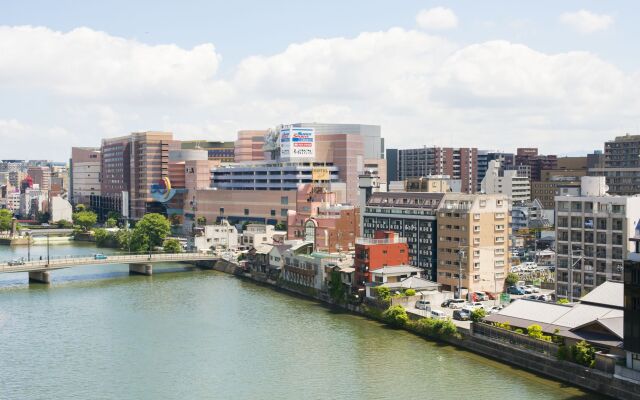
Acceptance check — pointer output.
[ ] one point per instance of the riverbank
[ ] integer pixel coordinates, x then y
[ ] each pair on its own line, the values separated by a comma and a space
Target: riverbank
540, 364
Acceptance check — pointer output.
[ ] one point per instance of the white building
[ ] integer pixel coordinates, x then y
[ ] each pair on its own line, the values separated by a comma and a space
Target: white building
85, 174
60, 210
31, 201
212, 237
509, 183
592, 237
256, 234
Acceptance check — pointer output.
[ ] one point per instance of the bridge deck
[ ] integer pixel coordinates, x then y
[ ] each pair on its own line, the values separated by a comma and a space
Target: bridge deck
67, 262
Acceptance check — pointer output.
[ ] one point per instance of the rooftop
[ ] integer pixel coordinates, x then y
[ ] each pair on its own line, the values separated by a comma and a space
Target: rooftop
395, 270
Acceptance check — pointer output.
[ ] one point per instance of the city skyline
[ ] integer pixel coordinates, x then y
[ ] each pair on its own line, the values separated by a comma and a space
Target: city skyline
425, 71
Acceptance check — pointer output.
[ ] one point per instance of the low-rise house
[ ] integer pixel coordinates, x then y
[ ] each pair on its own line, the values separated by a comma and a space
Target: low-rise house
420, 285
214, 237
597, 318
312, 269
258, 258
255, 234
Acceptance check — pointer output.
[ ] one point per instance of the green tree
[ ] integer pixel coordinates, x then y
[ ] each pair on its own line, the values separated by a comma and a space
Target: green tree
5, 219
478, 314
384, 294
105, 238
151, 230
201, 221
111, 223
583, 353
172, 246
395, 316
63, 224
511, 279
410, 292
281, 226
336, 288
81, 207
85, 219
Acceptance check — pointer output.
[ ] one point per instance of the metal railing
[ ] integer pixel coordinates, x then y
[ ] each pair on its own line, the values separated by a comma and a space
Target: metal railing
59, 262
516, 339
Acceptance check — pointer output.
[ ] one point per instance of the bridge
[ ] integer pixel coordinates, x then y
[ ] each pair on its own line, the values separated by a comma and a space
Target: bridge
39, 270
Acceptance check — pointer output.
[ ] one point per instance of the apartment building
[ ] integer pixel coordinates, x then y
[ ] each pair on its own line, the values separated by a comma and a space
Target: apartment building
413, 217
531, 164
216, 151
632, 304
473, 242
84, 171
41, 176
507, 182
621, 165
458, 163
507, 161
592, 237
385, 250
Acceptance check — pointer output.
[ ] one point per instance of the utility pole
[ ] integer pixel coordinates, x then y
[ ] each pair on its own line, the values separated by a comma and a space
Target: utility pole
48, 258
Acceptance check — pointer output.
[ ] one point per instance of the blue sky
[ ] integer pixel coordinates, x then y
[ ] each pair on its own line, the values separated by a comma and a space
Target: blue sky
558, 74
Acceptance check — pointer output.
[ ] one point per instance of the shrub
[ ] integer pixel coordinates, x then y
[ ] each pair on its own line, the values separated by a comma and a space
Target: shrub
511, 279
534, 331
172, 246
583, 353
434, 327
520, 331
395, 316
409, 292
105, 238
384, 294
478, 314
563, 301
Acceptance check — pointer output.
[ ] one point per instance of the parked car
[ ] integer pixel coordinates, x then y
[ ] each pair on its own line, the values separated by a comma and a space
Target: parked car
461, 315
457, 303
17, 261
515, 290
494, 309
481, 296
533, 289
531, 297
476, 304
544, 297
99, 256
437, 314
492, 296
423, 305
446, 303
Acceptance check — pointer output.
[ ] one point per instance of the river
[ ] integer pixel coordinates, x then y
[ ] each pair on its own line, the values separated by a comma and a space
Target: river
98, 333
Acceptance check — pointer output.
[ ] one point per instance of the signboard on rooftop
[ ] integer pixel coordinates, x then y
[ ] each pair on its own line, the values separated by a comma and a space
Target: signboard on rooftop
320, 174
297, 143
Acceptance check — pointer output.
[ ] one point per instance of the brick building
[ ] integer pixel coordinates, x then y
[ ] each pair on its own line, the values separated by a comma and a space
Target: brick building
385, 249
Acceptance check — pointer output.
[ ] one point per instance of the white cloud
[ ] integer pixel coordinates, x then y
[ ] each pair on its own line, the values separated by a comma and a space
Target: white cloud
584, 21
437, 18
422, 89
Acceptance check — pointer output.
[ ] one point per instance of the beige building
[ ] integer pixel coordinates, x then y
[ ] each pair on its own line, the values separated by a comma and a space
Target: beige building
85, 174
249, 145
41, 176
473, 238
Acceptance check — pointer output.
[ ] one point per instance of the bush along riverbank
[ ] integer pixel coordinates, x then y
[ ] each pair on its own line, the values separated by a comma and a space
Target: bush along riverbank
572, 371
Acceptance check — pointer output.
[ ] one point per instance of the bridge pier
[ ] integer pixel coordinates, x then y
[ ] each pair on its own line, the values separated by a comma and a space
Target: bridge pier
141, 269
40, 277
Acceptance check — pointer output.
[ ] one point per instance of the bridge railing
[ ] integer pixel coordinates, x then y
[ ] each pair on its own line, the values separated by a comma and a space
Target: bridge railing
125, 258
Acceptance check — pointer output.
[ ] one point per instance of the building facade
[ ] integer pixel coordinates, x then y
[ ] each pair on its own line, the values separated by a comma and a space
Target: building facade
249, 146
84, 171
385, 249
592, 237
457, 163
413, 217
507, 182
632, 304
216, 151
473, 242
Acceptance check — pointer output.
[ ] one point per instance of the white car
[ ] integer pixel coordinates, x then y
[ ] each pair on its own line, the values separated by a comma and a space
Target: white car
531, 288
423, 305
494, 309
457, 303
473, 306
437, 314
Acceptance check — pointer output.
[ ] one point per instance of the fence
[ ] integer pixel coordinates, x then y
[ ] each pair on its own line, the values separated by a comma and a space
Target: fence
516, 339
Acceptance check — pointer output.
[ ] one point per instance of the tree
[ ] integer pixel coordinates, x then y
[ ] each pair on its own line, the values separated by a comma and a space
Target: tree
201, 221
281, 226
583, 353
111, 223
511, 279
85, 219
63, 224
153, 228
6, 217
409, 292
384, 294
395, 316
175, 219
172, 246
81, 207
478, 314
336, 288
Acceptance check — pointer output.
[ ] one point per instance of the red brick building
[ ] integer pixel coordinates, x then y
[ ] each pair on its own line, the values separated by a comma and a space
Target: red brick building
386, 249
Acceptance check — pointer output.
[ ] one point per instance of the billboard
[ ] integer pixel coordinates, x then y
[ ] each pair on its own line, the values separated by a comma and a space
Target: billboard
162, 191
297, 143
320, 174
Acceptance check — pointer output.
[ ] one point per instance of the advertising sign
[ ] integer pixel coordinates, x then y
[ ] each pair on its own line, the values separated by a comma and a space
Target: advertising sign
320, 174
297, 143
162, 191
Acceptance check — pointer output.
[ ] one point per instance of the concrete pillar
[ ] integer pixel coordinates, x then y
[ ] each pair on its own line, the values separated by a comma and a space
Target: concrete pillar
40, 276
140, 269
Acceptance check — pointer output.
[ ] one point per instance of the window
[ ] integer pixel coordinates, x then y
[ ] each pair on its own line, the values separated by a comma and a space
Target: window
273, 213
283, 212
246, 211
284, 200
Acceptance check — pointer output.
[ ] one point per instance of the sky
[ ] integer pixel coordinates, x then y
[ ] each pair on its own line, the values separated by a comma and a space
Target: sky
560, 75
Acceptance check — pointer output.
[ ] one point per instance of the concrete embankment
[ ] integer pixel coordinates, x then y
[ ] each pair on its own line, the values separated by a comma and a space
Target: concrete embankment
537, 363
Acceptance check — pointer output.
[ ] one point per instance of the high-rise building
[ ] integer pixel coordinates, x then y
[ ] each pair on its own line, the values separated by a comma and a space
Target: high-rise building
216, 151
507, 161
592, 237
84, 170
249, 145
41, 176
621, 165
392, 165
529, 162
457, 163
413, 217
507, 182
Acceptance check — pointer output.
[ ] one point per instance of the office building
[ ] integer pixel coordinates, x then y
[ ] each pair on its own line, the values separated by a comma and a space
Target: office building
507, 161
249, 146
216, 151
457, 163
621, 165
592, 237
84, 171
530, 164
507, 182
473, 246
392, 165
41, 176
413, 217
